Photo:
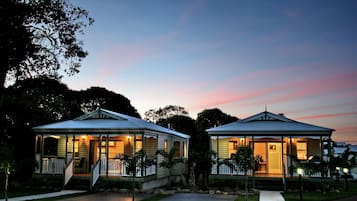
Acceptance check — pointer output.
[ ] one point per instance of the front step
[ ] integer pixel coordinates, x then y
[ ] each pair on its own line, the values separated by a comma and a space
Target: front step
78, 183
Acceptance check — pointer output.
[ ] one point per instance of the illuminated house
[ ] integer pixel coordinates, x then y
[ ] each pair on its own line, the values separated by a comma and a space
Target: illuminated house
99, 144
283, 144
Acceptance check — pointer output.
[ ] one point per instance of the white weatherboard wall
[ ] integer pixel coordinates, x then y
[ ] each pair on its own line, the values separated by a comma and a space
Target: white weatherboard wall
162, 172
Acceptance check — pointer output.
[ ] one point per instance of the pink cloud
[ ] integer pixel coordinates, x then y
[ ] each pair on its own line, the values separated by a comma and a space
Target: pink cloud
323, 107
320, 116
347, 128
290, 91
123, 56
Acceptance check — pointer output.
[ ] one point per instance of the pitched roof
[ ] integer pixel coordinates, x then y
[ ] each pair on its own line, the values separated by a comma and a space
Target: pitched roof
267, 123
104, 121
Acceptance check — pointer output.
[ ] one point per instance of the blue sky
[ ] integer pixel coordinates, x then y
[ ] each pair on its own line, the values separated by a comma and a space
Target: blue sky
296, 57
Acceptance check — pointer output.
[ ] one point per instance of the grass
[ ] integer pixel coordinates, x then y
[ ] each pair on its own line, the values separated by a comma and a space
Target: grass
23, 192
156, 197
254, 197
64, 196
318, 196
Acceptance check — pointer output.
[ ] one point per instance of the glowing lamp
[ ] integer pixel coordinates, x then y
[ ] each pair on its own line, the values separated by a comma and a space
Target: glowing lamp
345, 170
300, 171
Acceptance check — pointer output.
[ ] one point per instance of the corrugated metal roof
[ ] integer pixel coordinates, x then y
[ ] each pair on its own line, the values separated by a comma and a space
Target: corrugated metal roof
269, 123
102, 121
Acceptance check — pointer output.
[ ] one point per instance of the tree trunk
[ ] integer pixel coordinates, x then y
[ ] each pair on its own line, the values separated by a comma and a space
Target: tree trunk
4, 66
6, 181
246, 185
169, 178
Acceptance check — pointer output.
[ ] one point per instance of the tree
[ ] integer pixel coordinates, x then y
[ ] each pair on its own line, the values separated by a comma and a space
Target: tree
94, 97
180, 123
157, 115
200, 153
38, 36
5, 165
169, 161
131, 167
33, 102
245, 161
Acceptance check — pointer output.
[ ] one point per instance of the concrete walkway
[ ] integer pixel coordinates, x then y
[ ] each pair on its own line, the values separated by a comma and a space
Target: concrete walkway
264, 196
45, 195
271, 196
199, 197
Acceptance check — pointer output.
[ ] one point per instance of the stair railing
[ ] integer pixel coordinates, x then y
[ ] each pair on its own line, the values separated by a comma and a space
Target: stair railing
68, 172
95, 173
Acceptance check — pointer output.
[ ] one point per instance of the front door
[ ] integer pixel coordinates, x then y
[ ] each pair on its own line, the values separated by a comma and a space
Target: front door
274, 158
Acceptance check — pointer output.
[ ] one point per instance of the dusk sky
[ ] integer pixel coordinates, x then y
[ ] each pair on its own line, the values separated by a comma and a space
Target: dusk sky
297, 57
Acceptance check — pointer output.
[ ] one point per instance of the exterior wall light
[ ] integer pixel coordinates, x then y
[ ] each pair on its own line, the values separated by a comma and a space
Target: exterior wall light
300, 171
345, 170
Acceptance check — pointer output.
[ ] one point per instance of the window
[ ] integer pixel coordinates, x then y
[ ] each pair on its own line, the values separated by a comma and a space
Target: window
301, 150
138, 145
166, 146
177, 146
50, 146
184, 148
110, 143
76, 148
232, 148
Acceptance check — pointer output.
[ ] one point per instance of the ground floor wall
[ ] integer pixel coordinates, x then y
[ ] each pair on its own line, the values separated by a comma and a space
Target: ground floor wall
278, 155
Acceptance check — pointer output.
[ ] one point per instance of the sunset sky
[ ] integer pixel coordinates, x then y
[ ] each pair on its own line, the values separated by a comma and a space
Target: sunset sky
297, 57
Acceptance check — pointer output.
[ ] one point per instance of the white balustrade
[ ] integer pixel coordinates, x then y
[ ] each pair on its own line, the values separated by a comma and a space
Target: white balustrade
68, 172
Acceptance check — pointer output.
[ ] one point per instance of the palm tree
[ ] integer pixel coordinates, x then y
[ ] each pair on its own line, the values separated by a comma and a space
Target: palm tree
6, 167
132, 164
244, 161
169, 161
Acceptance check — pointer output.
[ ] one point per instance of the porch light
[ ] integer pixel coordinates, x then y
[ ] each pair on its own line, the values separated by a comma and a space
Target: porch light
83, 137
241, 140
345, 170
129, 138
338, 169
300, 171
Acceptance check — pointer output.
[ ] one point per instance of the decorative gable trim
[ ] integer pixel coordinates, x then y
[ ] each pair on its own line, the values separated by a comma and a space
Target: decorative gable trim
266, 116
99, 114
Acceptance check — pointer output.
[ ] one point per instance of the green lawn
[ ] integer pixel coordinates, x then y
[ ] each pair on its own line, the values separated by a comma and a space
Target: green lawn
23, 192
318, 196
254, 197
156, 197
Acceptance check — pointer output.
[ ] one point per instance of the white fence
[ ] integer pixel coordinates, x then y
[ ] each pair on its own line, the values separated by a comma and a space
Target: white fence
117, 167
51, 165
227, 167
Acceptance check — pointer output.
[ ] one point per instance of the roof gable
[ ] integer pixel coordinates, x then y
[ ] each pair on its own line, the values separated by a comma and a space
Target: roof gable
267, 123
100, 114
266, 116
103, 121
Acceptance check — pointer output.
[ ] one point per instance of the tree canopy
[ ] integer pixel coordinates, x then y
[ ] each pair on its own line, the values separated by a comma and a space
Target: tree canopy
33, 102
157, 115
38, 36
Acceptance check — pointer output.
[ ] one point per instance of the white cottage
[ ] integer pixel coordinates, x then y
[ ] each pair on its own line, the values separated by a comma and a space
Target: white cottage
283, 144
97, 144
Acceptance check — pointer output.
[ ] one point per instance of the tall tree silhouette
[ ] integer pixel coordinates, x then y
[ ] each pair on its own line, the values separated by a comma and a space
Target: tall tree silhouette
38, 36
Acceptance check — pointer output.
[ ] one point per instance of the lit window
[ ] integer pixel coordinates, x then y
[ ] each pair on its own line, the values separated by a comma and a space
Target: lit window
177, 146
232, 148
301, 150
184, 148
138, 145
166, 146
